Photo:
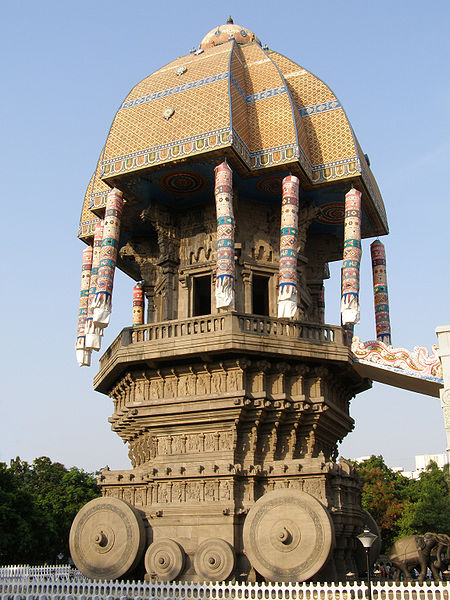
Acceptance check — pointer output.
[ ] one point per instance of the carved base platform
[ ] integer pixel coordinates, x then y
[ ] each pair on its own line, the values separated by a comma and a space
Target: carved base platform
233, 474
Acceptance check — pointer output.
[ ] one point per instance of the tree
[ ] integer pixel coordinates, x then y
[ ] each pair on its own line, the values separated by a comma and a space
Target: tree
429, 509
383, 496
19, 520
38, 503
403, 506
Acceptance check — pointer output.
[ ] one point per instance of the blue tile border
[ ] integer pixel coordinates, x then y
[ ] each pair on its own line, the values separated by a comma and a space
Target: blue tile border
316, 109
175, 90
259, 95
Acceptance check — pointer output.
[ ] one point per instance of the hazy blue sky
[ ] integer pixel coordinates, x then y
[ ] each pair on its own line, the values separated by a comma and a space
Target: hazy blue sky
66, 67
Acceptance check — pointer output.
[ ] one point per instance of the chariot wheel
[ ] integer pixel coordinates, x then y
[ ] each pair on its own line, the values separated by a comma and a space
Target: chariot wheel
107, 538
165, 559
214, 560
288, 535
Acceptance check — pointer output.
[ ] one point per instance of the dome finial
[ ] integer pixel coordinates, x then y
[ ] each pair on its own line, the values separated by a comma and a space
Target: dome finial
230, 21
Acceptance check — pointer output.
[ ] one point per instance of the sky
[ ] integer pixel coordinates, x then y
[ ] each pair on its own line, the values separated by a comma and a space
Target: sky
67, 66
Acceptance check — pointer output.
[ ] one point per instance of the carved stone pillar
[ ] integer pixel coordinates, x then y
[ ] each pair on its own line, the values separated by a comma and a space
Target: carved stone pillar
247, 281
149, 292
169, 288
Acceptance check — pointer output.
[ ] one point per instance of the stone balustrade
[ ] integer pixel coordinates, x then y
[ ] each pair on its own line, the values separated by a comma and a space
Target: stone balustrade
218, 334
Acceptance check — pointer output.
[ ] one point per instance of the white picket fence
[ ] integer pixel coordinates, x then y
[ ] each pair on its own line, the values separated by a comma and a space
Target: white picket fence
42, 583
34, 571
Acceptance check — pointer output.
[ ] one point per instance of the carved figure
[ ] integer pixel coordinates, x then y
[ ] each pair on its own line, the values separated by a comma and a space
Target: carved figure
420, 551
440, 555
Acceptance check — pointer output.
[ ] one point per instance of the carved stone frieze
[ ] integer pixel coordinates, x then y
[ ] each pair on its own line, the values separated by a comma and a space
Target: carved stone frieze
223, 433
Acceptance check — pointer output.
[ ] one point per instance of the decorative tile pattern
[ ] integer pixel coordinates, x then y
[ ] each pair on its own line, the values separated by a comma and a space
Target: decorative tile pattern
265, 158
223, 33
295, 74
225, 268
83, 354
199, 67
319, 108
287, 290
372, 188
174, 90
101, 304
138, 305
98, 199
253, 88
306, 88
380, 292
337, 170
87, 228
330, 137
351, 258
260, 95
167, 152
93, 333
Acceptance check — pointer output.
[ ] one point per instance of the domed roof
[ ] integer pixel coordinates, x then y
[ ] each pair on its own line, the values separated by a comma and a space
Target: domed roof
234, 98
227, 32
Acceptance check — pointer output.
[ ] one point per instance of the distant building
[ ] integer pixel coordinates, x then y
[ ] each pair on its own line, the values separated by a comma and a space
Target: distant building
422, 462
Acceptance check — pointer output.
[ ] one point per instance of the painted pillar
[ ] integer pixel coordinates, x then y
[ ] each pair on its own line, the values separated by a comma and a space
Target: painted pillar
83, 354
94, 333
225, 269
287, 290
351, 259
380, 292
138, 305
108, 257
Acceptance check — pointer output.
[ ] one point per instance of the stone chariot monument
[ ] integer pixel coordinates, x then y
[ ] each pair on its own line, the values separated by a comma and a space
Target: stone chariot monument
229, 179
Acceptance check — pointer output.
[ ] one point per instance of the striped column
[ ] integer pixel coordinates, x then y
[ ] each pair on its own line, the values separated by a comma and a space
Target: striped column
108, 257
287, 290
225, 270
138, 305
351, 258
83, 354
380, 292
93, 332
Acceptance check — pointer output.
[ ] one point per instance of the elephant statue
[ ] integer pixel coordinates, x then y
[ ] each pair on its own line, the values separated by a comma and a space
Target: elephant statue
431, 550
440, 556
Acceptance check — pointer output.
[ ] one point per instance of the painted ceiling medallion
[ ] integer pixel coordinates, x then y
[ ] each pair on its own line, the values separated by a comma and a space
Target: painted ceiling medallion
181, 70
270, 184
183, 182
168, 112
331, 213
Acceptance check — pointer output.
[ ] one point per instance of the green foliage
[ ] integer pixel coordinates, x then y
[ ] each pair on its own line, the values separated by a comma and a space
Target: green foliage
403, 506
382, 496
38, 503
430, 509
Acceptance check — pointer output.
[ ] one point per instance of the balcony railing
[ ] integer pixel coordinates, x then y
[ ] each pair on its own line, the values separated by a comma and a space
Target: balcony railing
217, 329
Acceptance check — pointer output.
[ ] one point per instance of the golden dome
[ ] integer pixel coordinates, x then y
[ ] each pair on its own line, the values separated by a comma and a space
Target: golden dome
240, 100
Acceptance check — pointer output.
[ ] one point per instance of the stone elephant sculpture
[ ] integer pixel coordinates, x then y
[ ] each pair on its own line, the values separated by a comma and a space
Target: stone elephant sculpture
440, 555
420, 551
